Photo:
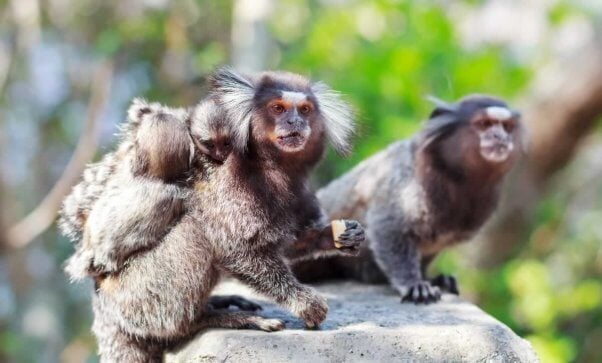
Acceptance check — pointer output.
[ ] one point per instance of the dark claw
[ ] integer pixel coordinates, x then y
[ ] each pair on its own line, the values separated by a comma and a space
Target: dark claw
353, 231
349, 245
358, 235
224, 302
446, 283
351, 239
350, 224
422, 293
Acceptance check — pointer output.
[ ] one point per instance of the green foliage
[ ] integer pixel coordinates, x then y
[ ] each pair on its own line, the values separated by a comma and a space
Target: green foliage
385, 56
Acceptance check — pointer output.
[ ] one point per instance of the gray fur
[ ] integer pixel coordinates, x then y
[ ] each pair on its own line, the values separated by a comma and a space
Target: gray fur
207, 119
213, 132
441, 105
77, 205
236, 92
238, 219
139, 208
338, 116
416, 200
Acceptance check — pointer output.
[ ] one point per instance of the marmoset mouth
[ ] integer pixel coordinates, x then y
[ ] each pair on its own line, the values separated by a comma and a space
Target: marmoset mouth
496, 153
291, 142
290, 136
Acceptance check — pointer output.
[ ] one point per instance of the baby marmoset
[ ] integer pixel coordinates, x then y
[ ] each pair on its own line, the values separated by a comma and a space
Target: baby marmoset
139, 188
424, 194
211, 130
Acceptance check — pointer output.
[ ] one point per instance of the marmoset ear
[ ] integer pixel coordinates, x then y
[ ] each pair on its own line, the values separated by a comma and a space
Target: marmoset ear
338, 117
138, 109
442, 120
235, 93
441, 107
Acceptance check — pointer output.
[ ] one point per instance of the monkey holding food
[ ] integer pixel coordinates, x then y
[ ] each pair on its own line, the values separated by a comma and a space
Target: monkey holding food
238, 218
422, 195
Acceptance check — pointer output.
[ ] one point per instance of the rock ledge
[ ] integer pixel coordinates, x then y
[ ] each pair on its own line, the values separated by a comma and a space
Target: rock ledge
366, 323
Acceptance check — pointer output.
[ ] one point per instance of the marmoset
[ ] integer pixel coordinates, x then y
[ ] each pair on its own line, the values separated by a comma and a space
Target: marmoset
238, 218
422, 195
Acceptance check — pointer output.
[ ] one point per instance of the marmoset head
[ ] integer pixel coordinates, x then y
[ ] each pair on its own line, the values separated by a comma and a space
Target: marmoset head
289, 110
475, 130
162, 144
284, 111
211, 130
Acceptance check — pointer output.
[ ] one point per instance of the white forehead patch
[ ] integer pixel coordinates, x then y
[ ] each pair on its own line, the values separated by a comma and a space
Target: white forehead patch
293, 97
498, 113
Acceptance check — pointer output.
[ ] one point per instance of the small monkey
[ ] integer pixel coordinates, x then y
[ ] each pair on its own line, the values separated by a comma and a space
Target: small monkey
207, 128
422, 195
211, 130
143, 195
133, 148
241, 218
149, 171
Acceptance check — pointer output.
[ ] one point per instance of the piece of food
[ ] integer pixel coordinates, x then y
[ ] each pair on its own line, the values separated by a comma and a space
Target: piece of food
338, 228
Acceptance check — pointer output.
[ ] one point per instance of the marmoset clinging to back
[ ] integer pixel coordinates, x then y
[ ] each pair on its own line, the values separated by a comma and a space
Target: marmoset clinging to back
140, 187
421, 195
210, 133
142, 195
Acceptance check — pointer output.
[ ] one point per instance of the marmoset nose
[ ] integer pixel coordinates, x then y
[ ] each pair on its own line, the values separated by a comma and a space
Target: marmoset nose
295, 121
499, 134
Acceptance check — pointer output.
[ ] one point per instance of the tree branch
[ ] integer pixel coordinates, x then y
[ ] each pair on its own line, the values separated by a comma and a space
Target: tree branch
36, 222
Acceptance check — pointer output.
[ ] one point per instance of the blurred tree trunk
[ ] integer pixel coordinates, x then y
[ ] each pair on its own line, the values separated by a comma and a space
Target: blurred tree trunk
4, 196
561, 108
43, 215
251, 41
2, 224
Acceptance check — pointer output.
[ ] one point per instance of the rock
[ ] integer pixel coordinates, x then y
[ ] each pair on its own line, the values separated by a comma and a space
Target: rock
366, 323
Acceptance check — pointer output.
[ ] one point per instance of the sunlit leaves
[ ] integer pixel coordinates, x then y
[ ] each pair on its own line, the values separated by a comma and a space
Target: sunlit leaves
388, 56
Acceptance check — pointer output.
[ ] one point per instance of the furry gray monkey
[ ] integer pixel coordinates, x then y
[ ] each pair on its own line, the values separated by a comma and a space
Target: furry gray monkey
138, 192
239, 218
149, 170
422, 195
133, 150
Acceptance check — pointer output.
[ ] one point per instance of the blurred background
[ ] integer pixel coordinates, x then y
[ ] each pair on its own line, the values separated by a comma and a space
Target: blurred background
69, 68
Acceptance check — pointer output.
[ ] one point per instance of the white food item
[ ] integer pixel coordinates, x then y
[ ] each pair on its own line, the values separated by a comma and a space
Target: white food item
338, 228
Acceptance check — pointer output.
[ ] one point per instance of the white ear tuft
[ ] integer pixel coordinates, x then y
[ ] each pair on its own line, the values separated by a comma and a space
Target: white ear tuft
437, 101
441, 107
338, 117
236, 93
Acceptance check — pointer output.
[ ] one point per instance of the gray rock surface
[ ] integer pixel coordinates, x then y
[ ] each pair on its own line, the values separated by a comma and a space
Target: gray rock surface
366, 323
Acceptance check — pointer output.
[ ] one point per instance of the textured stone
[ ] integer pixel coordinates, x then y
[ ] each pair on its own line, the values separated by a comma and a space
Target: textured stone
366, 323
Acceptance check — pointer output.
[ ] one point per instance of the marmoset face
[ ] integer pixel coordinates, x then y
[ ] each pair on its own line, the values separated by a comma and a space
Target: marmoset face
495, 127
211, 130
